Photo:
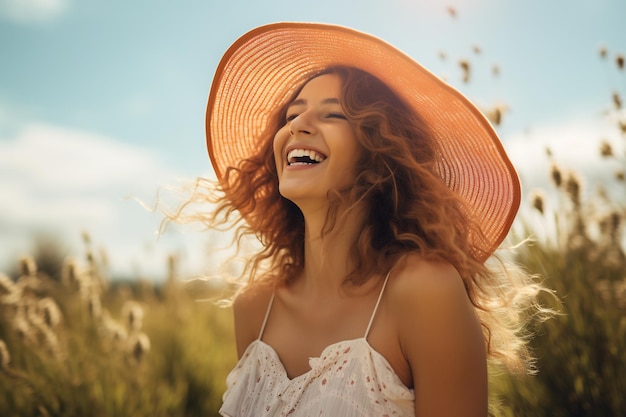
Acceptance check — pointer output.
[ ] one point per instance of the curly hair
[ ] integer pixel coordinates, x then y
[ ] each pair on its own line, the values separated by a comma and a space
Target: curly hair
409, 209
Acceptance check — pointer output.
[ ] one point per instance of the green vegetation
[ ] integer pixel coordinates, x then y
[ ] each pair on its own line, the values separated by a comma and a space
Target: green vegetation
76, 346
582, 351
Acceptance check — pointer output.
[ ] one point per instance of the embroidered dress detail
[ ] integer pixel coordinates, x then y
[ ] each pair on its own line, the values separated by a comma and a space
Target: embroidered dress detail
349, 378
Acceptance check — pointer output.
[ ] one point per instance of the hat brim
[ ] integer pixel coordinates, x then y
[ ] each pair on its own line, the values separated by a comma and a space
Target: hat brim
263, 68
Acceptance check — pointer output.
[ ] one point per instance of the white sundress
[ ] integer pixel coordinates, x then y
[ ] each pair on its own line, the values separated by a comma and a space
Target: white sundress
348, 379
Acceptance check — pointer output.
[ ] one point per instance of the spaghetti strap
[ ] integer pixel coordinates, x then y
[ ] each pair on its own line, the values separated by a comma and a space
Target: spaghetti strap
380, 296
267, 314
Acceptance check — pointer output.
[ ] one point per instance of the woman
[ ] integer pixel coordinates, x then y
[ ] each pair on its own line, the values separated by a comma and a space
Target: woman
378, 193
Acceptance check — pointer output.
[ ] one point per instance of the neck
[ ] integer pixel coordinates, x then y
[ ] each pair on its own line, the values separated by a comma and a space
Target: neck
327, 253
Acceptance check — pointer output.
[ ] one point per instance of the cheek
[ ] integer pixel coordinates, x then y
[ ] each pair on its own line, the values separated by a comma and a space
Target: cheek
352, 147
280, 140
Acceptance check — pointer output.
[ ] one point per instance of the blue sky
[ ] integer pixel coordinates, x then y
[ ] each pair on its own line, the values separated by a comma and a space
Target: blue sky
100, 100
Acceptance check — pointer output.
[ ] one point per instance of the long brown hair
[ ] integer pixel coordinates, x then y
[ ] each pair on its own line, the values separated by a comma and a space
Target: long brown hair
409, 209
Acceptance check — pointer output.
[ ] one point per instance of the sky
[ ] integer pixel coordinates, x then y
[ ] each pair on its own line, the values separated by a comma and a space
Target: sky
102, 102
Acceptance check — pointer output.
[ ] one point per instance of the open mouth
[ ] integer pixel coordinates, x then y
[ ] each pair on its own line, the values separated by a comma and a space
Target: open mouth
304, 157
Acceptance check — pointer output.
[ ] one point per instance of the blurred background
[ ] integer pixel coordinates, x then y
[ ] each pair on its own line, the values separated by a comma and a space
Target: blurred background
103, 101
102, 113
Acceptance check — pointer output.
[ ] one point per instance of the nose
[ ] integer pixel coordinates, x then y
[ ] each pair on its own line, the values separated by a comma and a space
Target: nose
302, 123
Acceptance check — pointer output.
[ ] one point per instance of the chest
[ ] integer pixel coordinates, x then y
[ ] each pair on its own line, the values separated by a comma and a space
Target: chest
298, 334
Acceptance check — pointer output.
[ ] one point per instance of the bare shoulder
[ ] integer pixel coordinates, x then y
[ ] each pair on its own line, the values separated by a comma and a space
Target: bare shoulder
420, 282
249, 309
440, 336
429, 296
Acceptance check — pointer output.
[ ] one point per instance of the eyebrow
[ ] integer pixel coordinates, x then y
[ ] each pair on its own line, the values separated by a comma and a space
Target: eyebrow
302, 101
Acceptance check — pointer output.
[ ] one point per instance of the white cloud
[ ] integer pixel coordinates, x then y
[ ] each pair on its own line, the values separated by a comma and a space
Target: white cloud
575, 146
63, 181
32, 11
58, 159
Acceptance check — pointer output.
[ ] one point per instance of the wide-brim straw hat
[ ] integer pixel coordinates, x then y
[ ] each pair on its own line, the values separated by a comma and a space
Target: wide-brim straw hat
265, 66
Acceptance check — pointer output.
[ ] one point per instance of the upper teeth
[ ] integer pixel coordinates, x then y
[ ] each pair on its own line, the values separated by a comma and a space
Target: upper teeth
304, 153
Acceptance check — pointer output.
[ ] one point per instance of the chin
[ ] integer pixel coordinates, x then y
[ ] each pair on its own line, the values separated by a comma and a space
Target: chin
299, 194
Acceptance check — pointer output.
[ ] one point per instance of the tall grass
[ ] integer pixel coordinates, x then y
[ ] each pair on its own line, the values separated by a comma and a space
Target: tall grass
582, 351
78, 346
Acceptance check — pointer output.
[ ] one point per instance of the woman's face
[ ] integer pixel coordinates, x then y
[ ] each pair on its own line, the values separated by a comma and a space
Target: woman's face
316, 150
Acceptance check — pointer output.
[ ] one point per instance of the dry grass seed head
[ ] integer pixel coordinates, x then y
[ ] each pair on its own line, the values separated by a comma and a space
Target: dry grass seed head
50, 341
87, 288
602, 51
494, 115
6, 285
606, 150
23, 329
556, 175
620, 175
617, 100
9, 292
113, 329
30, 327
5, 357
42, 333
537, 201
49, 311
139, 346
465, 67
27, 266
610, 226
29, 286
71, 275
572, 187
619, 60
132, 314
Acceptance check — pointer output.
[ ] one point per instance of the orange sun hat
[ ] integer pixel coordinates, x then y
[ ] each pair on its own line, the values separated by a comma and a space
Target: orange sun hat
265, 66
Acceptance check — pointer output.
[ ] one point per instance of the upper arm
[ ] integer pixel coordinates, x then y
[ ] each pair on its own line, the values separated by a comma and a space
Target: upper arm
442, 340
249, 310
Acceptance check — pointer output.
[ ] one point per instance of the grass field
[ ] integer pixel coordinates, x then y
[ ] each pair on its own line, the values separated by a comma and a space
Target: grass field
74, 344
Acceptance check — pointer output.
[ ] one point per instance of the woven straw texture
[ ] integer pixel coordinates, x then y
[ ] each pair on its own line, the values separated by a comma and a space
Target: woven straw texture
263, 68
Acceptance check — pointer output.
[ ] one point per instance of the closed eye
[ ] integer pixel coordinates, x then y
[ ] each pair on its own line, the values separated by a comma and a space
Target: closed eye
292, 116
336, 115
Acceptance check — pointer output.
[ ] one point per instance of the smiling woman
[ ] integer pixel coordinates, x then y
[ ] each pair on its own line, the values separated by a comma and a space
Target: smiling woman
316, 150
378, 193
